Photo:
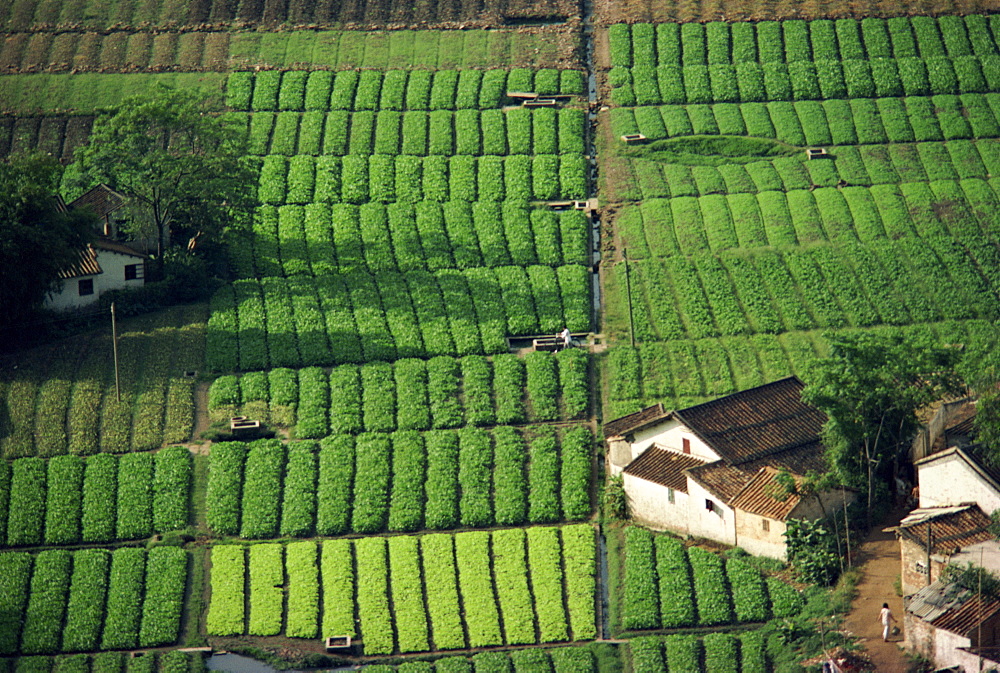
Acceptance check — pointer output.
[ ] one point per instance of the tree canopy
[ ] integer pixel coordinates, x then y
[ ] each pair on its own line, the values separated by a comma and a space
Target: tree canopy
37, 239
871, 387
181, 163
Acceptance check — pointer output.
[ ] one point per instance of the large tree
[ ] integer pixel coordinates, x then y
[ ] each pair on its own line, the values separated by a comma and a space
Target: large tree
37, 238
871, 387
180, 162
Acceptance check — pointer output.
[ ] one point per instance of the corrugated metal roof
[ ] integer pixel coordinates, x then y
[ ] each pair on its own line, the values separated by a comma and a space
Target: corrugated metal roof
765, 496
85, 265
632, 422
757, 422
936, 599
950, 527
663, 467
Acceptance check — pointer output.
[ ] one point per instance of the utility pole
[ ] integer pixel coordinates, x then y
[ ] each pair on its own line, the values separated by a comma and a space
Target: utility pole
114, 347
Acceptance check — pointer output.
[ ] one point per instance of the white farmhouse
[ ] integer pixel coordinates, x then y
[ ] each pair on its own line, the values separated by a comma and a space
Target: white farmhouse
710, 470
957, 476
103, 265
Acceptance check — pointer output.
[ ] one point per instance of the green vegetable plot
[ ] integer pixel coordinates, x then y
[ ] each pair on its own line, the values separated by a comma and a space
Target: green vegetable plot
90, 599
425, 577
666, 585
411, 394
103, 498
800, 60
404, 481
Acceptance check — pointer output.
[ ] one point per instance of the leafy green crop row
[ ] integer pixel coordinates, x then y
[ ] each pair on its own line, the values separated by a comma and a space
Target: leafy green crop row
70, 499
319, 239
848, 284
668, 586
891, 169
828, 122
716, 223
715, 653
393, 315
407, 588
392, 89
403, 481
381, 178
412, 394
91, 599
467, 132
793, 41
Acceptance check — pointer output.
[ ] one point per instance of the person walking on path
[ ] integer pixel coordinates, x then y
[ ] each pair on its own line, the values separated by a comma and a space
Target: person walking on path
885, 616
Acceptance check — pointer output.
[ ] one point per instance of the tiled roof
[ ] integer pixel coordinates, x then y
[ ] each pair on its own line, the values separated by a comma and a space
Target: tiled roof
632, 422
967, 616
762, 496
950, 527
101, 199
946, 605
115, 246
727, 480
756, 422
85, 265
663, 467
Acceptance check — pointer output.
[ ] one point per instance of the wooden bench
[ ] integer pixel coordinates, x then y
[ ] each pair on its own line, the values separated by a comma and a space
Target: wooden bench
547, 344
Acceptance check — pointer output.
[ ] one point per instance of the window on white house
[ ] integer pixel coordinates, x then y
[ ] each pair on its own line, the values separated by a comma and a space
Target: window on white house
921, 567
133, 271
686, 445
86, 287
670, 495
709, 505
765, 525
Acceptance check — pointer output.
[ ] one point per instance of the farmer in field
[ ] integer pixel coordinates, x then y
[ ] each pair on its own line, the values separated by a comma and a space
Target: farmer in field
567, 338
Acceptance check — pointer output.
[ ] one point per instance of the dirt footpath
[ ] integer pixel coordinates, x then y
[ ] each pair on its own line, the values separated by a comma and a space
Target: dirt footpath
878, 561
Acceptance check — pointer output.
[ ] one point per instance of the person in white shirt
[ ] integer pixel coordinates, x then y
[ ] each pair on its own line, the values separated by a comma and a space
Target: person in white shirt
566, 337
885, 616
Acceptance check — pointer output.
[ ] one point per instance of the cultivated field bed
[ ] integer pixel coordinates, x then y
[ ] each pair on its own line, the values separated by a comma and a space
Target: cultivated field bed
799, 60
26, 15
102, 498
207, 48
745, 652
173, 661
410, 394
403, 481
764, 10
405, 593
682, 373
666, 585
91, 599
62, 399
